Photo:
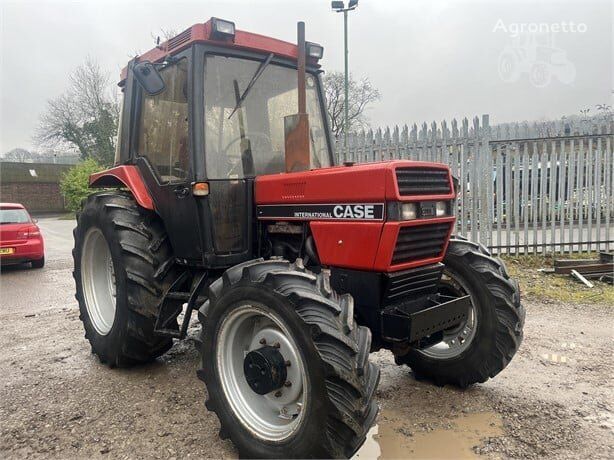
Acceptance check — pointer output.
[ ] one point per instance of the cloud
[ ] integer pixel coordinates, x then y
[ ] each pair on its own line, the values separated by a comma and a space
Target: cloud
431, 60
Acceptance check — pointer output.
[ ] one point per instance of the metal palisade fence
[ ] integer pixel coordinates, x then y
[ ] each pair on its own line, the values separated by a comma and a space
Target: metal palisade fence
524, 188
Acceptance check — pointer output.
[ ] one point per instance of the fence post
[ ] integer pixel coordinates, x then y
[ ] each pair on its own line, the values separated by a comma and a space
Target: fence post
484, 159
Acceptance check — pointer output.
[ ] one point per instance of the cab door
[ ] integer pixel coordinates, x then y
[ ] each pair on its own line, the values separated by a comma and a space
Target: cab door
162, 148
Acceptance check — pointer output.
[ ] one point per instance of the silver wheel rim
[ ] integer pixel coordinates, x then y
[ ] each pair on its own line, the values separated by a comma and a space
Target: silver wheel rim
274, 416
98, 281
457, 339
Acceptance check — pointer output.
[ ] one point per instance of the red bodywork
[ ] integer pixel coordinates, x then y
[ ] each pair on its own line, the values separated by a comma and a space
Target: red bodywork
124, 176
361, 245
356, 244
201, 33
20, 242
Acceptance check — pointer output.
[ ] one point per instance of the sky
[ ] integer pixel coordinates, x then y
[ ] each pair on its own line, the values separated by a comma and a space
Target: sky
431, 59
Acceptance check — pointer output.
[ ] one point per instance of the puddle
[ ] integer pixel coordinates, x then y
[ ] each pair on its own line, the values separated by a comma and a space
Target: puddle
395, 437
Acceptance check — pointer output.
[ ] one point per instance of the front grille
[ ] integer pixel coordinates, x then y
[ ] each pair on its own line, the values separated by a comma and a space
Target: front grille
423, 181
420, 242
412, 283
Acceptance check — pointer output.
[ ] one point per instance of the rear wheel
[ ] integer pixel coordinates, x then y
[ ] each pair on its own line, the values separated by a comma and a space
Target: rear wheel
285, 364
482, 346
123, 264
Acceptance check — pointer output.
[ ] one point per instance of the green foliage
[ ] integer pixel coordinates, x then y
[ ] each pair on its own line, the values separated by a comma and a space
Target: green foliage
74, 183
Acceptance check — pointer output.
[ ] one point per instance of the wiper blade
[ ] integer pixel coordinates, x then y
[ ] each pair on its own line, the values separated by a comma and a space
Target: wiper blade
256, 76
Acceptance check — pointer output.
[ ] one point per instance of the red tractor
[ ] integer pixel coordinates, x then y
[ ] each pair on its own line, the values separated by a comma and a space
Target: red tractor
225, 199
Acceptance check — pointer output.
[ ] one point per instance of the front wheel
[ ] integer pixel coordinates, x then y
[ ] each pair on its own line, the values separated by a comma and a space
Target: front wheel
285, 364
482, 346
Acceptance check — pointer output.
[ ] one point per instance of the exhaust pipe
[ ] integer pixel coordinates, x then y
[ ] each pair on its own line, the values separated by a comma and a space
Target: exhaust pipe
302, 55
296, 127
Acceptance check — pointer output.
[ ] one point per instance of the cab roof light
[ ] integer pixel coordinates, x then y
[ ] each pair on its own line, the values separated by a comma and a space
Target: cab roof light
221, 29
314, 50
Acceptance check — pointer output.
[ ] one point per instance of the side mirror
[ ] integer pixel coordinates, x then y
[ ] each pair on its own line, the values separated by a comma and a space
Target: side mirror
149, 78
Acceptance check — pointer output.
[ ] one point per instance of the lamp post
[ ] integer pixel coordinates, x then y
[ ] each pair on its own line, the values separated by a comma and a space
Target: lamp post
339, 7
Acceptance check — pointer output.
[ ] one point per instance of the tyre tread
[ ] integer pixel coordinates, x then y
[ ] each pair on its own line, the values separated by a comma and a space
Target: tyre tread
504, 295
148, 263
350, 378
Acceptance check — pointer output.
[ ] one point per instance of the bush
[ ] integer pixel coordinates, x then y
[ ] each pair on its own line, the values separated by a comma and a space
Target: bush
74, 183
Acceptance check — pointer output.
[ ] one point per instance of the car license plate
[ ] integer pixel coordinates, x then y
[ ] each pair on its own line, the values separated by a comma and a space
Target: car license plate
4, 251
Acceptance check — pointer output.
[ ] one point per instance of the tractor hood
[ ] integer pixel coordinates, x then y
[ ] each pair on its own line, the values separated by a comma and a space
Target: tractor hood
364, 183
347, 209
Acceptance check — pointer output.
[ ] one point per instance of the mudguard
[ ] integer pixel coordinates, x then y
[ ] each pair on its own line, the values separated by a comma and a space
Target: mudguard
124, 176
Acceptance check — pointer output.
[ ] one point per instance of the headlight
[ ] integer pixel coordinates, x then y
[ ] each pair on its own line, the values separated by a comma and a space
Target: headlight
409, 211
400, 211
441, 208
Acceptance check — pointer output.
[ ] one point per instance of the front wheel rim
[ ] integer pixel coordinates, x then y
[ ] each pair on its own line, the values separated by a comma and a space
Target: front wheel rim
98, 281
456, 340
274, 416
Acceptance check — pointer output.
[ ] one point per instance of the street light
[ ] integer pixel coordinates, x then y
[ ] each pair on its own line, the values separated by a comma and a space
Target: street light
339, 7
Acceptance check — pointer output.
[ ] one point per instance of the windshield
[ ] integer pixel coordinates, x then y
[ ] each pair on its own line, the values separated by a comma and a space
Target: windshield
251, 141
14, 216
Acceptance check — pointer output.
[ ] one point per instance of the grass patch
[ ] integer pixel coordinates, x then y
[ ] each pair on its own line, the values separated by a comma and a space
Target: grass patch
68, 216
535, 285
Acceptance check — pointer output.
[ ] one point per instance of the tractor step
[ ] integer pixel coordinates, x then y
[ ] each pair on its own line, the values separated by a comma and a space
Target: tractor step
187, 288
398, 325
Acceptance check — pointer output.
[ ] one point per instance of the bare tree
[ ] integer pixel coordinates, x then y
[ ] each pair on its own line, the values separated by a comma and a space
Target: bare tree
84, 117
20, 155
360, 94
162, 37
167, 34
605, 111
159, 39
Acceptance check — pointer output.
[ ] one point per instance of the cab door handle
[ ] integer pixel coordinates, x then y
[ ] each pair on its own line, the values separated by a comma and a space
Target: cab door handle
182, 191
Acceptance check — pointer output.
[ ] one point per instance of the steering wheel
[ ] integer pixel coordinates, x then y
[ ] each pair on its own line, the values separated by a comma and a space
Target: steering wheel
248, 136
179, 172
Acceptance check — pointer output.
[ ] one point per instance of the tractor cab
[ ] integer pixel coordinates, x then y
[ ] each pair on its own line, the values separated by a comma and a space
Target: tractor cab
207, 112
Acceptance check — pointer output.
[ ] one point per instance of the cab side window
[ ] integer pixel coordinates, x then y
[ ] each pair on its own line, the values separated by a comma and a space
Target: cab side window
163, 125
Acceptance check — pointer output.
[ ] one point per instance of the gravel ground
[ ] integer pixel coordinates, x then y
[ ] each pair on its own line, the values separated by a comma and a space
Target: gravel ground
554, 400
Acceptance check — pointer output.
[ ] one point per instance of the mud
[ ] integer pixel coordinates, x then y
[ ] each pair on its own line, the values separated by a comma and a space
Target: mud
56, 400
390, 438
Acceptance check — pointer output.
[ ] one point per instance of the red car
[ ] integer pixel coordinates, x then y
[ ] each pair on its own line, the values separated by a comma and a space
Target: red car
20, 238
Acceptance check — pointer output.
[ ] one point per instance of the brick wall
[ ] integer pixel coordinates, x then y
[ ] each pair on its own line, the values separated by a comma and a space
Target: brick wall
35, 185
35, 197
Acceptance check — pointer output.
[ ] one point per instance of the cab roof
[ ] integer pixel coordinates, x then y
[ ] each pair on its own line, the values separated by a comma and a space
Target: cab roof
202, 33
